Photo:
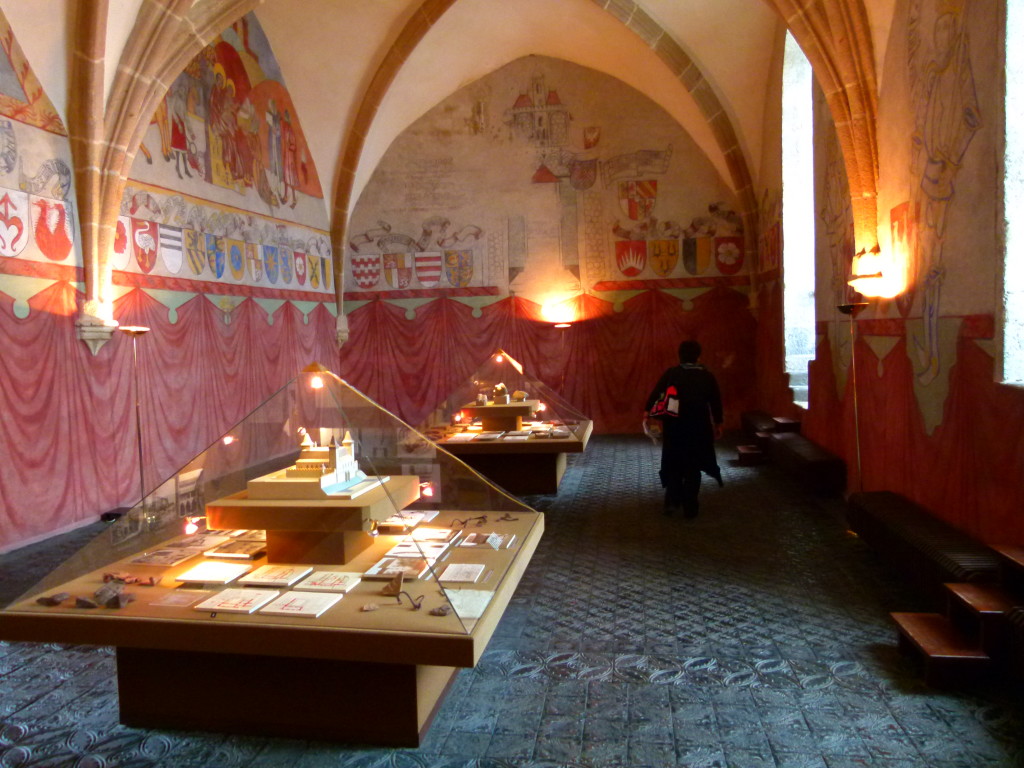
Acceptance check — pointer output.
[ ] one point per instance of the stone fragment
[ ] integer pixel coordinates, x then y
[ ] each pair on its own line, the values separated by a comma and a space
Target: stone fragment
55, 599
85, 602
369, 607
441, 610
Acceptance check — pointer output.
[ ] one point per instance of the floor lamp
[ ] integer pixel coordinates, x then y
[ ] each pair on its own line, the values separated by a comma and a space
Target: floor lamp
852, 310
135, 331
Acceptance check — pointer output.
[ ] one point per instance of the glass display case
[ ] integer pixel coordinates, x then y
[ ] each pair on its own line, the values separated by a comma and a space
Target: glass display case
319, 549
510, 426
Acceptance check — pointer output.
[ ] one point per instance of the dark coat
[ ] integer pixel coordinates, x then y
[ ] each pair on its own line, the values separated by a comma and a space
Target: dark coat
688, 440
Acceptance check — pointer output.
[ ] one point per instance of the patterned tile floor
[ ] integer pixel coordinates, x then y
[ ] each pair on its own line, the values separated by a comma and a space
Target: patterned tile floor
754, 635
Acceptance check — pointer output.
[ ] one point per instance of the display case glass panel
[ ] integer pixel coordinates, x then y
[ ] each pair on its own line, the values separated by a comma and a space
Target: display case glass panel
502, 403
320, 508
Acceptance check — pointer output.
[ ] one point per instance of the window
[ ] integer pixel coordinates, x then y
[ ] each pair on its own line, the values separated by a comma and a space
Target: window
798, 216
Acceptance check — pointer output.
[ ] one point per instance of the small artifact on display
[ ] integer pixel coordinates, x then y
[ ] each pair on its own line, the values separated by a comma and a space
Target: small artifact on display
237, 600
500, 396
394, 587
54, 599
321, 472
128, 578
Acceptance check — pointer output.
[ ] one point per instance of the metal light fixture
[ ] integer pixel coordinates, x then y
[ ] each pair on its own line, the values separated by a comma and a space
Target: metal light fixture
852, 310
135, 331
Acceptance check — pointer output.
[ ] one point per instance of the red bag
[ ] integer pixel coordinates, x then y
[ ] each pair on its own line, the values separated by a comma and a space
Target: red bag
667, 404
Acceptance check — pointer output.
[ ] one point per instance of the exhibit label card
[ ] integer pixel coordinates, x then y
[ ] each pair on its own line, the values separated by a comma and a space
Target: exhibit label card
276, 575
330, 581
214, 572
466, 572
237, 600
307, 604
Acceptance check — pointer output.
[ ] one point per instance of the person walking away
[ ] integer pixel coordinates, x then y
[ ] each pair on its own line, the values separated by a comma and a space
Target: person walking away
688, 403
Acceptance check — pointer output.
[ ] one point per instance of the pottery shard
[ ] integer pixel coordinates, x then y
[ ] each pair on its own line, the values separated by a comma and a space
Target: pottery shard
85, 602
369, 607
441, 610
394, 587
108, 592
52, 600
120, 600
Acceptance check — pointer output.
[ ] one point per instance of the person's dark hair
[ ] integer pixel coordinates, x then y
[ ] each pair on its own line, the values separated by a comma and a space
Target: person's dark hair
689, 352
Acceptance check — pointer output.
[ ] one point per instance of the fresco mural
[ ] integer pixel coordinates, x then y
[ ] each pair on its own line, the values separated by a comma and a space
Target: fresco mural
595, 189
946, 117
247, 209
37, 208
227, 131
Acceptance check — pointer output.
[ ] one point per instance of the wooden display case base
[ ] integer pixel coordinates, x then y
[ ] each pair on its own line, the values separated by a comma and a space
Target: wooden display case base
520, 473
323, 699
311, 547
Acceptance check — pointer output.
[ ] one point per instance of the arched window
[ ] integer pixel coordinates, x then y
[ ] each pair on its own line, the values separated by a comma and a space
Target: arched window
798, 216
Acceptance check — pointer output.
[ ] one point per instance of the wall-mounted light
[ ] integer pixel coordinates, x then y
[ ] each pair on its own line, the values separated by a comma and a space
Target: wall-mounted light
876, 275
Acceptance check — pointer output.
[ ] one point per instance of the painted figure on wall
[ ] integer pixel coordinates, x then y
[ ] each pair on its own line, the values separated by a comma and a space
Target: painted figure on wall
228, 120
946, 118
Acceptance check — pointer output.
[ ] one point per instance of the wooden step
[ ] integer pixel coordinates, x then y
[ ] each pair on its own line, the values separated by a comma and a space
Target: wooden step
949, 657
980, 611
749, 455
983, 599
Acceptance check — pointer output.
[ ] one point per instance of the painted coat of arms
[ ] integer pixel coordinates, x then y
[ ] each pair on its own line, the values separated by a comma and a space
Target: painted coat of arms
195, 251
631, 256
271, 260
458, 267
13, 227
145, 238
637, 198
366, 270
397, 271
663, 256
215, 254
428, 268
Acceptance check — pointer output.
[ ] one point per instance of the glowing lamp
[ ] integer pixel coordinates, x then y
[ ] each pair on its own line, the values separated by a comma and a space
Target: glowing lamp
228, 439
191, 525
541, 407
875, 275
499, 359
317, 382
426, 489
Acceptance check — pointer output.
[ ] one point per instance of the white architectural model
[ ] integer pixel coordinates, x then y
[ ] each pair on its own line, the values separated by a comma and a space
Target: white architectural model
320, 472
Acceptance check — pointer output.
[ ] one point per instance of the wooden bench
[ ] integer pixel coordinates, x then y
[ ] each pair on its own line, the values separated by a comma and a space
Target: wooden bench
930, 551
817, 468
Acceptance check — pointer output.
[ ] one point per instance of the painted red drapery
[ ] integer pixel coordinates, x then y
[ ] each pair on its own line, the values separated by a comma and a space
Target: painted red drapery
68, 417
